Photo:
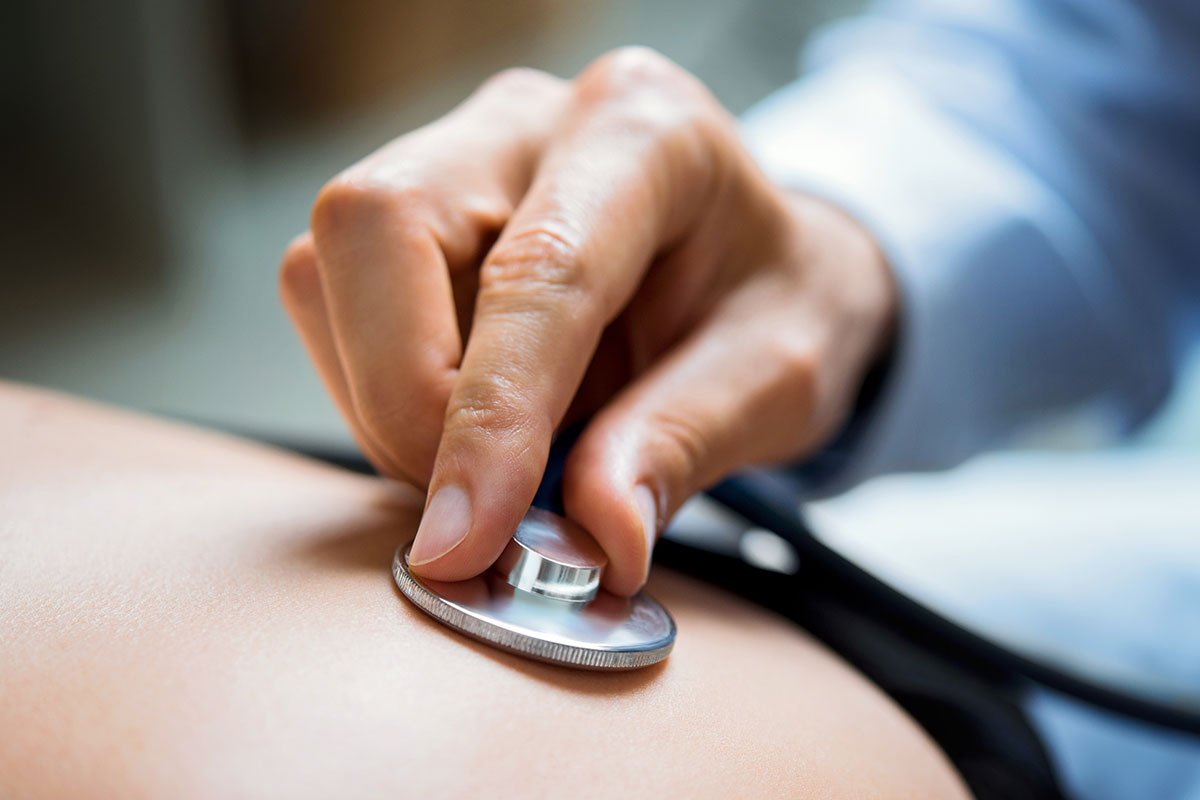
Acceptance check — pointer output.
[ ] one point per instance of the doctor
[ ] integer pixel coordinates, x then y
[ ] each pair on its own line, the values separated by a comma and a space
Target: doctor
990, 210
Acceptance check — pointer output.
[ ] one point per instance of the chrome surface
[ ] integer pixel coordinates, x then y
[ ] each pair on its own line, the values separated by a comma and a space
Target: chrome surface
554, 559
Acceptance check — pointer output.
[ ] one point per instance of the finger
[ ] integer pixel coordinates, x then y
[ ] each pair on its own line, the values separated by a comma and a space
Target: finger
742, 389
625, 175
304, 301
388, 232
765, 375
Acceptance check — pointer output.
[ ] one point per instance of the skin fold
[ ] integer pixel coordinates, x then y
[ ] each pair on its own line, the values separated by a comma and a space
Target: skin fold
184, 614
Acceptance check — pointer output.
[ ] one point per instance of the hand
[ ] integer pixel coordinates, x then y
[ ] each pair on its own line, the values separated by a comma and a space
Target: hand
553, 249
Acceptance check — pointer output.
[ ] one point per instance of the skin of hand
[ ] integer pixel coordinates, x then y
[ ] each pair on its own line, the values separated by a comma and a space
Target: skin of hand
603, 248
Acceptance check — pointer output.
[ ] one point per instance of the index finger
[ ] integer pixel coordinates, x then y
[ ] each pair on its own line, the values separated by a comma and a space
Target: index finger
628, 172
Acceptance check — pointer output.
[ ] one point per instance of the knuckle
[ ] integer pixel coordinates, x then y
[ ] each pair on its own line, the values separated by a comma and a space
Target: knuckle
633, 66
353, 201
641, 74
540, 266
645, 95
299, 275
491, 406
545, 253
523, 82
340, 203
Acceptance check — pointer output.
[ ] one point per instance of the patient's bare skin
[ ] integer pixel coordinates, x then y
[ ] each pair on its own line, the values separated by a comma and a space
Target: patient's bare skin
184, 614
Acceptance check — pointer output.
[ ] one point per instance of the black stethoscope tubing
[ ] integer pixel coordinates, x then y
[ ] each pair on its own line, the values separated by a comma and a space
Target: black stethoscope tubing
769, 500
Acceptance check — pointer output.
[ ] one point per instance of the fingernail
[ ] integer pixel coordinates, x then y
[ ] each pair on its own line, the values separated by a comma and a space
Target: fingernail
648, 508
446, 521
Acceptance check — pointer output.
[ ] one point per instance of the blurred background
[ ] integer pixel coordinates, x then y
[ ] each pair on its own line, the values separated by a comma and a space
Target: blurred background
159, 154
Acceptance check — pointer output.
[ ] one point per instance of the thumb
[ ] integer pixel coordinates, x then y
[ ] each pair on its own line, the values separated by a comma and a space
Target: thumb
732, 394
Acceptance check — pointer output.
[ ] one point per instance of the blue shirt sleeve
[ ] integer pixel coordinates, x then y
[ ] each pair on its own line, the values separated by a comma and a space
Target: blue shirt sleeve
1032, 171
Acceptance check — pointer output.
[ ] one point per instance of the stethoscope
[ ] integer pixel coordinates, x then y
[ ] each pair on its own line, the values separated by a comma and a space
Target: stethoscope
768, 500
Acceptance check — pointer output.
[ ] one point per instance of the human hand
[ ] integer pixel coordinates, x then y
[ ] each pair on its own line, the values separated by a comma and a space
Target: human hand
552, 250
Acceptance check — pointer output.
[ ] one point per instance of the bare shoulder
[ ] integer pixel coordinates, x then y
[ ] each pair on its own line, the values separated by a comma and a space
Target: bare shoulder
188, 614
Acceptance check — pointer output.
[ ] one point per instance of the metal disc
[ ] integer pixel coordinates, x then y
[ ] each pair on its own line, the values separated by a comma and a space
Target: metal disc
607, 633
552, 556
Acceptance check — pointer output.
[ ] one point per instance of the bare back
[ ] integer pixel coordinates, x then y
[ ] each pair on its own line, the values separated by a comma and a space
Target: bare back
185, 614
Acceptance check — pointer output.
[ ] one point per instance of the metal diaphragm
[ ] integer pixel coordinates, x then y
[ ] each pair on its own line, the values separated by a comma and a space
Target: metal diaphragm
542, 600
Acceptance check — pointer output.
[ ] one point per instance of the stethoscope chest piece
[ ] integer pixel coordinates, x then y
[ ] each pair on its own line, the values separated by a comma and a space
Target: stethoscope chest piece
543, 600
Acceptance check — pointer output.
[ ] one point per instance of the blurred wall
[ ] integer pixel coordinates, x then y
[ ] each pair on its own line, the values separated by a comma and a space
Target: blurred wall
161, 153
